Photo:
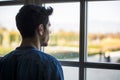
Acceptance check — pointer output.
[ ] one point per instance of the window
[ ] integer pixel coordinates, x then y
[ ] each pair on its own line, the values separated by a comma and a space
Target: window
64, 40
104, 31
9, 37
102, 74
71, 73
103, 40
94, 25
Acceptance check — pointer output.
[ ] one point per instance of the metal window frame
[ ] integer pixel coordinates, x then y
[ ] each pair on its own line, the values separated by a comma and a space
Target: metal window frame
3, 3
82, 64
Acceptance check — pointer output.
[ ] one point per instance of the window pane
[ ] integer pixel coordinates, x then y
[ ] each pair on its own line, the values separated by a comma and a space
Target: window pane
9, 36
102, 74
71, 73
104, 31
64, 41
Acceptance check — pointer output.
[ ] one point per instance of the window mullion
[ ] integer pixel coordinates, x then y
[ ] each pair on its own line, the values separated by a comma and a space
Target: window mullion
83, 48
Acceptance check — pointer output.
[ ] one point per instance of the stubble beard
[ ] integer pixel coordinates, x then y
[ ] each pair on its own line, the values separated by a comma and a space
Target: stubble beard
44, 42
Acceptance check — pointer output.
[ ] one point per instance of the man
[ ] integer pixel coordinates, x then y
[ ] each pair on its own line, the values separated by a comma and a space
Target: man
27, 62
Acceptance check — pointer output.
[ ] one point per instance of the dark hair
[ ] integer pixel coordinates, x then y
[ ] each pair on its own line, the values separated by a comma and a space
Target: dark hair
29, 17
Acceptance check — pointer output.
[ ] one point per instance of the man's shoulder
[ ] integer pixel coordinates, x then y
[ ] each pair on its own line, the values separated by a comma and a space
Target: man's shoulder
32, 55
47, 57
7, 56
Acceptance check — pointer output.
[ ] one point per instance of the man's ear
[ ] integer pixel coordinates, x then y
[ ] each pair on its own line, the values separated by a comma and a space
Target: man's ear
41, 29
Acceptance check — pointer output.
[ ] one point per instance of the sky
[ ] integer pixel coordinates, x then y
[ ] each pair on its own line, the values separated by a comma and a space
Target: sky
7, 16
103, 16
63, 17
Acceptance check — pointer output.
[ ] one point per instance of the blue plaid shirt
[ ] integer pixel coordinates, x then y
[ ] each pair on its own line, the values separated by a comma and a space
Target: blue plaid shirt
28, 63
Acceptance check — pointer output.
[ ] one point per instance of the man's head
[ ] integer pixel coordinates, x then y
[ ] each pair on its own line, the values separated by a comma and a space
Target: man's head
32, 19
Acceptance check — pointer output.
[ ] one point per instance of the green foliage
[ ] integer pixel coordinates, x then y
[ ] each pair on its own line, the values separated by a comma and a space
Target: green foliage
94, 46
63, 38
53, 40
12, 38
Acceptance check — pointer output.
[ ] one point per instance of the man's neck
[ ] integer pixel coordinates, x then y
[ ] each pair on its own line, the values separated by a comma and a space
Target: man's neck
31, 42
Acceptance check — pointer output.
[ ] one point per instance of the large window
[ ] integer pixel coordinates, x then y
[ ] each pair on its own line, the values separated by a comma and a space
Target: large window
85, 37
104, 31
103, 49
64, 38
64, 41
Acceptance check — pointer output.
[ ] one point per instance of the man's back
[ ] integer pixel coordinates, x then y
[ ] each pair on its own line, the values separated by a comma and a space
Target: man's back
27, 63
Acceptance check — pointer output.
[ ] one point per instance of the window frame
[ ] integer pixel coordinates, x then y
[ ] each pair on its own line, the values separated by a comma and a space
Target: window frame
82, 64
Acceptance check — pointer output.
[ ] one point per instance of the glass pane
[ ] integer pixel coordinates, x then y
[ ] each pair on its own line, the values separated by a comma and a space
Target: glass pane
9, 36
102, 74
104, 31
64, 41
71, 73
